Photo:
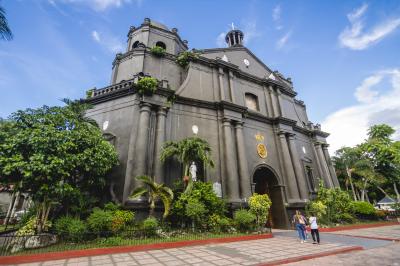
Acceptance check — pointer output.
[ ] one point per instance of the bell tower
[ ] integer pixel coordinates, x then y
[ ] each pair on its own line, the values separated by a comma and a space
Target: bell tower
234, 37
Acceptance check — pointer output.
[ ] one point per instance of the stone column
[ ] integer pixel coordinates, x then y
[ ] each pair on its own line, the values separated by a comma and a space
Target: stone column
221, 83
268, 101
142, 141
290, 178
324, 166
231, 184
279, 97
328, 160
245, 187
319, 166
158, 167
231, 88
298, 169
275, 104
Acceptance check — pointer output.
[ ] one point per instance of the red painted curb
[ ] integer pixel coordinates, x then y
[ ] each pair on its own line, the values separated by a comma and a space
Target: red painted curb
312, 256
356, 226
374, 237
6, 260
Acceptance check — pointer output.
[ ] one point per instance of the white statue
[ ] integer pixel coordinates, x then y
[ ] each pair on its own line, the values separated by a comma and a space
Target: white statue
217, 189
193, 171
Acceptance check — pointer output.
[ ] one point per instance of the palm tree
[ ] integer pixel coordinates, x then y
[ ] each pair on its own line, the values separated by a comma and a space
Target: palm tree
79, 109
5, 32
193, 149
155, 191
345, 159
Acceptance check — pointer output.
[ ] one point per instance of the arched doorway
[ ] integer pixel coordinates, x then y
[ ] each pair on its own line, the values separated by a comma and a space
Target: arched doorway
266, 182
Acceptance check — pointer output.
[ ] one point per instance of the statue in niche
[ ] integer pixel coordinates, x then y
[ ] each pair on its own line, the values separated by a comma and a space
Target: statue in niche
193, 171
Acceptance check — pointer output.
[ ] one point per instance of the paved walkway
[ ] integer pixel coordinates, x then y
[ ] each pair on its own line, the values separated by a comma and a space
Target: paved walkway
284, 245
390, 232
387, 255
251, 252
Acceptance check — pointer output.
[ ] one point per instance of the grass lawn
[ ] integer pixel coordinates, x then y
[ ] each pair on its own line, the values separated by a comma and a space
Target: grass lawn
118, 241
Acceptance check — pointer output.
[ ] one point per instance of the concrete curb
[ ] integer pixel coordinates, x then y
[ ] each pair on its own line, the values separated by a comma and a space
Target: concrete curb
312, 256
7, 260
356, 226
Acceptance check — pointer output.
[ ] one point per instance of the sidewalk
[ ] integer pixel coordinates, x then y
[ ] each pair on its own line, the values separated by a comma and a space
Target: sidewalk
254, 252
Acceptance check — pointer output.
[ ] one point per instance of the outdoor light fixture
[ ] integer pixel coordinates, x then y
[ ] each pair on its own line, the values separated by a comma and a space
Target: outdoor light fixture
195, 129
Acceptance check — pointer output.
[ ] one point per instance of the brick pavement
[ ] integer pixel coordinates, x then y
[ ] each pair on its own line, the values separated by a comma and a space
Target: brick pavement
251, 252
382, 256
389, 232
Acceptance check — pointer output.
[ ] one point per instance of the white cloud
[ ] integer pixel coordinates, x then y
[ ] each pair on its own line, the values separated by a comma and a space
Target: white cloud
250, 31
276, 13
108, 41
283, 40
354, 36
220, 41
96, 36
348, 126
98, 5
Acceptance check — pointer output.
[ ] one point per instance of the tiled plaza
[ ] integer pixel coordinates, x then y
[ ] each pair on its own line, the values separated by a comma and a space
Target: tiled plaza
390, 232
251, 252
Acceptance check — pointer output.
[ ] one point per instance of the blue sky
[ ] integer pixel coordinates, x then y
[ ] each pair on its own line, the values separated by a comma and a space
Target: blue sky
343, 56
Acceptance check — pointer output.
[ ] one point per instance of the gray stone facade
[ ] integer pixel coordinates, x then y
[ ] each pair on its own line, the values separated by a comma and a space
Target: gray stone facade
240, 107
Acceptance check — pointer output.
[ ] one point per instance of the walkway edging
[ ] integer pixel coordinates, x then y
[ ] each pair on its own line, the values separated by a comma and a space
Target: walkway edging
356, 226
312, 256
6, 260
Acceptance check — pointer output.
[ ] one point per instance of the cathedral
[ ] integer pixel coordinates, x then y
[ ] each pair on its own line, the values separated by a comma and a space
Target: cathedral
260, 135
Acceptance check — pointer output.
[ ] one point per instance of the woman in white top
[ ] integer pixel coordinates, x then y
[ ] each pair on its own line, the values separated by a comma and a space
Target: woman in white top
314, 228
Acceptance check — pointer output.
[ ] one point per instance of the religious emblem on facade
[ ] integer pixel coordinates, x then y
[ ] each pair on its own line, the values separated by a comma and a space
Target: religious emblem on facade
259, 137
262, 150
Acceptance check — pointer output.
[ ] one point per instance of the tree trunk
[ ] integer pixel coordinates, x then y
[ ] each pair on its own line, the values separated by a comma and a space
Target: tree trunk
351, 183
10, 207
383, 191
396, 191
16, 202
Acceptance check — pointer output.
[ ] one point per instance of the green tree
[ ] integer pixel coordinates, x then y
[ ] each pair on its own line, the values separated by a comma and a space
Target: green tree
193, 149
155, 191
344, 161
384, 156
52, 153
5, 32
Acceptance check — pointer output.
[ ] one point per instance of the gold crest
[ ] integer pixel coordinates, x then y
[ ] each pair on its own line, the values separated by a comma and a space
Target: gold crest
262, 150
259, 137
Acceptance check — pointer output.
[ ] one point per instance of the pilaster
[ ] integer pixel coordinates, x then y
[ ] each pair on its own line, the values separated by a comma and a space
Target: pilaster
158, 168
301, 182
324, 166
290, 178
221, 83
231, 184
332, 172
245, 190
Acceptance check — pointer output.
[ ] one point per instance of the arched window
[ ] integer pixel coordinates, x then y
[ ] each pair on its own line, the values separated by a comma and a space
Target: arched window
161, 44
135, 45
251, 101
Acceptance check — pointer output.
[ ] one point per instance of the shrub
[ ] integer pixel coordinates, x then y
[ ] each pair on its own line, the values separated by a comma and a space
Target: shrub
259, 206
217, 223
28, 229
111, 206
150, 226
203, 193
158, 51
100, 221
147, 86
195, 210
316, 208
110, 241
244, 220
362, 209
337, 203
70, 228
120, 219
185, 57
381, 214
